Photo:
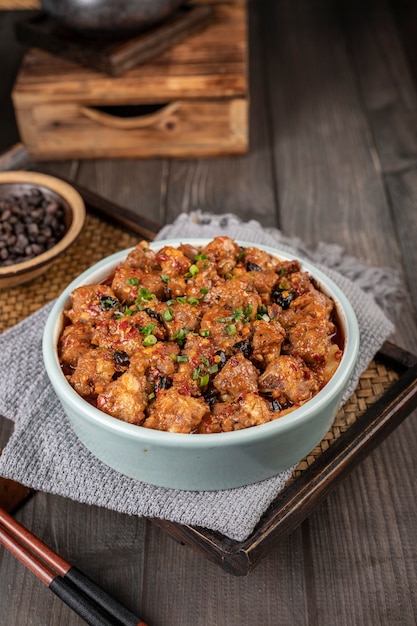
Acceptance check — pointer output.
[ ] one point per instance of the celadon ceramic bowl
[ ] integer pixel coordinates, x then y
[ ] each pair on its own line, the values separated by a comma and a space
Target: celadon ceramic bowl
201, 461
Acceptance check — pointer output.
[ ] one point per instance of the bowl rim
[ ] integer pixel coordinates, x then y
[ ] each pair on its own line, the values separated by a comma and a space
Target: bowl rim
149, 436
71, 197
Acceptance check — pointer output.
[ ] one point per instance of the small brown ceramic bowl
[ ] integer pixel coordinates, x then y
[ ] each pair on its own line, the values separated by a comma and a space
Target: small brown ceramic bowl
21, 183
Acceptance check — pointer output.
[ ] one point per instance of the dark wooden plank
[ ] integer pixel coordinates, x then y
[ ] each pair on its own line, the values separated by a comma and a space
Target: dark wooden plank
330, 188
242, 185
192, 591
87, 543
136, 185
403, 194
386, 82
405, 15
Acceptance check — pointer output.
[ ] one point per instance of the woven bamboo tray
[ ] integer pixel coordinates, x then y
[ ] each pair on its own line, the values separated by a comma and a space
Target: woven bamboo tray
385, 395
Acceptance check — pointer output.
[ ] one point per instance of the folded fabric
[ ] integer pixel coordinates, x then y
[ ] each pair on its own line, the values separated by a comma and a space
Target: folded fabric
45, 454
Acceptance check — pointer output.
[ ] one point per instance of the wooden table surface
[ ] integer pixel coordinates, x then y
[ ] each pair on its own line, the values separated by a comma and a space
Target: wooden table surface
333, 158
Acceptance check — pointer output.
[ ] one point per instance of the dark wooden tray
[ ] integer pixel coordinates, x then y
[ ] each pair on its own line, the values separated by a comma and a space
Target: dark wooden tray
387, 397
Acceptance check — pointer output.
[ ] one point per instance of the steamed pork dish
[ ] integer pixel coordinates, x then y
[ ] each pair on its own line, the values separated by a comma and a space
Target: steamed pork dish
200, 340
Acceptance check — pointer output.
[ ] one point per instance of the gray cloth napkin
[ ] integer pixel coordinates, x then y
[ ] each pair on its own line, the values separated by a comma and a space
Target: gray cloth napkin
44, 453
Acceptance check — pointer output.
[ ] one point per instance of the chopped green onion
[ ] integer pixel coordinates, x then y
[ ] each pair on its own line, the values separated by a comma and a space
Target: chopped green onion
193, 301
205, 361
132, 281
150, 340
196, 373
204, 380
165, 278
193, 270
225, 319
241, 254
145, 294
205, 332
128, 311
213, 369
182, 359
204, 290
200, 257
230, 329
168, 315
182, 299
147, 330
181, 334
262, 309
151, 396
266, 317
170, 302
238, 314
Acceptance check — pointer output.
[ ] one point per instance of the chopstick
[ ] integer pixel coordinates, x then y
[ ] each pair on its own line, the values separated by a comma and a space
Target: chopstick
70, 584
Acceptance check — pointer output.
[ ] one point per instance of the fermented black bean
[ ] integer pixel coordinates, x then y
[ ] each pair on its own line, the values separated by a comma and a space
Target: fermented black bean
29, 225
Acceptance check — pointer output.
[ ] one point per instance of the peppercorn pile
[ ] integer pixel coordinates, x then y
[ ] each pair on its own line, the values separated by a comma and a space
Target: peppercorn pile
200, 340
29, 225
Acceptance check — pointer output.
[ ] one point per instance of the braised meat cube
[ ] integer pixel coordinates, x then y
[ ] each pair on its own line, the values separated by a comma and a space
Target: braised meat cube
128, 333
195, 365
237, 294
143, 258
267, 340
262, 282
311, 340
224, 328
200, 285
158, 359
125, 398
190, 251
131, 285
224, 252
246, 411
91, 303
314, 304
237, 377
175, 412
173, 262
180, 318
73, 342
326, 371
95, 370
288, 380
257, 260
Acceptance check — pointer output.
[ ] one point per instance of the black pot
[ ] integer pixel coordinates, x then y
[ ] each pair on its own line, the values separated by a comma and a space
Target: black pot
109, 16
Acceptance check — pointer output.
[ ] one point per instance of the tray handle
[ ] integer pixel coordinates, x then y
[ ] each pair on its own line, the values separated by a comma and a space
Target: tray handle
157, 118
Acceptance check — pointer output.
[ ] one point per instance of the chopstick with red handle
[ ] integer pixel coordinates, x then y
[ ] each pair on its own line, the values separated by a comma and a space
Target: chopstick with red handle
82, 594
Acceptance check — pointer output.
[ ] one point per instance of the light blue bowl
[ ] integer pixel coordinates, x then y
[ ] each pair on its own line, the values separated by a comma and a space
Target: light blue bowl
202, 462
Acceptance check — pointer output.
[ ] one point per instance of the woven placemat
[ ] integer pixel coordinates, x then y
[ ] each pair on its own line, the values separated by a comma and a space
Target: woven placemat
99, 239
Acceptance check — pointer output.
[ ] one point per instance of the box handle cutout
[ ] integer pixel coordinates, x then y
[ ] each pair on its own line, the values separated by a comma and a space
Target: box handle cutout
131, 116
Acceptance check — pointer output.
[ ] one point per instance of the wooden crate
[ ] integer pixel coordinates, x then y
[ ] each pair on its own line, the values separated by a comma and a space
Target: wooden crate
197, 93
